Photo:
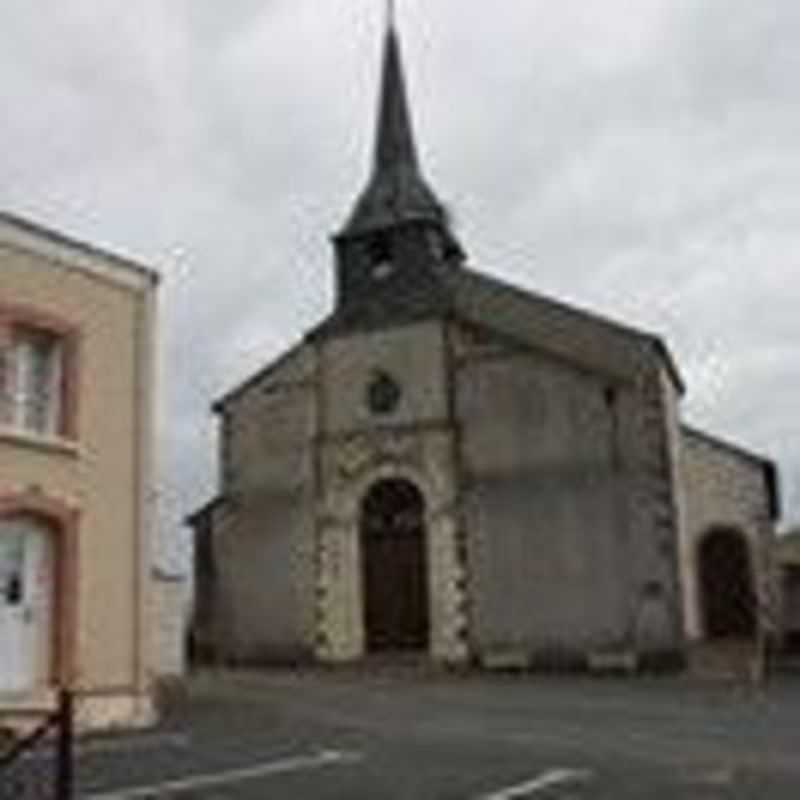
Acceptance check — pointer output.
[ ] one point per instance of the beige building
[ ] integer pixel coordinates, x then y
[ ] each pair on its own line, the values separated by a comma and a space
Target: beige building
76, 473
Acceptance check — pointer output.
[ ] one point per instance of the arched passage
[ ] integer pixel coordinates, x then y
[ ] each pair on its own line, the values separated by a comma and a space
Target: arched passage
726, 585
394, 567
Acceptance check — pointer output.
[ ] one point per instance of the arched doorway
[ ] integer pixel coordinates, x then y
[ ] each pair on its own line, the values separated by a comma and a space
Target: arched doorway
27, 579
726, 584
394, 564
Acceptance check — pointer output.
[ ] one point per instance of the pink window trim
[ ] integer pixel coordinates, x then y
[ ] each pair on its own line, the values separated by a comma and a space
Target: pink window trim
22, 315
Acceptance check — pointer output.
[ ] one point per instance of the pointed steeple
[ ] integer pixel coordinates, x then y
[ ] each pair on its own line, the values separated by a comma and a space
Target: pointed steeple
394, 141
395, 253
397, 191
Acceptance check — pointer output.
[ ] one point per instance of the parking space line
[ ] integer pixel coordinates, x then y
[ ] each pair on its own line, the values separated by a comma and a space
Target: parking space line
324, 759
553, 777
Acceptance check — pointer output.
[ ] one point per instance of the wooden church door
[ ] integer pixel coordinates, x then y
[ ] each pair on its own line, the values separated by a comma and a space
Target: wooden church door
395, 575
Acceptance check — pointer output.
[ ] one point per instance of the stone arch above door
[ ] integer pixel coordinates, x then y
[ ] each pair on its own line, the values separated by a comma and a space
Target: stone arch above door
340, 632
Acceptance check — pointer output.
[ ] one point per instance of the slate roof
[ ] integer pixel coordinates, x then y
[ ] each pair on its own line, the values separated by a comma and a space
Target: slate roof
397, 191
542, 322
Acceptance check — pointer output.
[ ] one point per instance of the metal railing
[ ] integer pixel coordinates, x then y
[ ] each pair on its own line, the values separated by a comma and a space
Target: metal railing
40, 766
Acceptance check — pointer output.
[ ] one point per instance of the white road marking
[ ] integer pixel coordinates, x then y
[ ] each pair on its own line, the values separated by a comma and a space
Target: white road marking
324, 759
552, 777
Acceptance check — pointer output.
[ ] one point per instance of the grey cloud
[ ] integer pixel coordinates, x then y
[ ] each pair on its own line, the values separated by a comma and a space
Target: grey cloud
639, 158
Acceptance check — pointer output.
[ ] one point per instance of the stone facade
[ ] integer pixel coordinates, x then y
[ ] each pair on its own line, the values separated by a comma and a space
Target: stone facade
559, 490
514, 449
355, 451
725, 487
548, 445
264, 532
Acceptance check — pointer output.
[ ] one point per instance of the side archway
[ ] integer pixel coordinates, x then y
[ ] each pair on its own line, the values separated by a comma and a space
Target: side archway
727, 587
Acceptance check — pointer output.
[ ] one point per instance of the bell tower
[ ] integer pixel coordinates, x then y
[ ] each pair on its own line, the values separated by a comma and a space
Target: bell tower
397, 241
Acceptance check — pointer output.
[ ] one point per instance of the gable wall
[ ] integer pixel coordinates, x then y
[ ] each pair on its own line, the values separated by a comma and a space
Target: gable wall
414, 355
552, 513
263, 537
273, 415
572, 335
722, 488
541, 501
553, 479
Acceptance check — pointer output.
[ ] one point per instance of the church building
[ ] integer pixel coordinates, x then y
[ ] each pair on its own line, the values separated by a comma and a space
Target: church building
452, 466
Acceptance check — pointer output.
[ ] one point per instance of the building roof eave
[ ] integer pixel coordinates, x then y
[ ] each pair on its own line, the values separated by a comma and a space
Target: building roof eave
27, 234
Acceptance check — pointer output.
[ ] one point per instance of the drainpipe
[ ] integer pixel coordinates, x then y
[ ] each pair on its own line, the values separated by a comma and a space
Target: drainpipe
144, 392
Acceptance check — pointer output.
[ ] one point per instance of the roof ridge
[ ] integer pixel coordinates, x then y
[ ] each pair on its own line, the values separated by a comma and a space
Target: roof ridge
573, 308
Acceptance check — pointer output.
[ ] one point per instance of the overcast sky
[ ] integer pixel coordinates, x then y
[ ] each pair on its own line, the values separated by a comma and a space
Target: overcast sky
638, 157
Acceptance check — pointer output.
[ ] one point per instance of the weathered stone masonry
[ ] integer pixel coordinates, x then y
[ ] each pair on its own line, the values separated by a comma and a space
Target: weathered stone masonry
562, 501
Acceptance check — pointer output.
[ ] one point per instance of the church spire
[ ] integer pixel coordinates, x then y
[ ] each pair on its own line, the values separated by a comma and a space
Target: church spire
394, 141
396, 249
396, 192
390, 14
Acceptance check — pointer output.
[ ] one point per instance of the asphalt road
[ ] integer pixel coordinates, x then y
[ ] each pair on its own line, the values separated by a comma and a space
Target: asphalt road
319, 736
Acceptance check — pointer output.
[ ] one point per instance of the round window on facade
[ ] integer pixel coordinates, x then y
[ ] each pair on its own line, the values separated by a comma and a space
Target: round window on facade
383, 393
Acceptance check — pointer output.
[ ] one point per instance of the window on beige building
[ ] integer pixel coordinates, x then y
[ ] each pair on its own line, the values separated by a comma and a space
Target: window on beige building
33, 380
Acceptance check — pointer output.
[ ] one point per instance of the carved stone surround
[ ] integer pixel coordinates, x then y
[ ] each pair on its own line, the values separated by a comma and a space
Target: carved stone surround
350, 465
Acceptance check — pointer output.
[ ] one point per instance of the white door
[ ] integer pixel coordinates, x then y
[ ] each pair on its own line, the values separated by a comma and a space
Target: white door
24, 603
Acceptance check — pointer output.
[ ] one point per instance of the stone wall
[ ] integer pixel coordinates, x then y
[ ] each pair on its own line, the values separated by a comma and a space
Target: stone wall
724, 487
647, 413
264, 531
552, 460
